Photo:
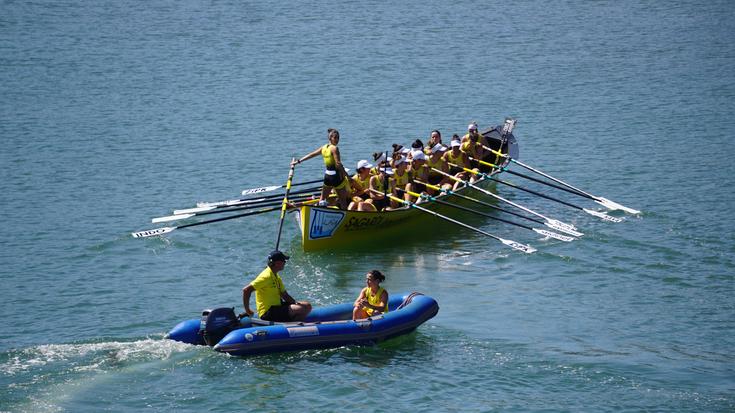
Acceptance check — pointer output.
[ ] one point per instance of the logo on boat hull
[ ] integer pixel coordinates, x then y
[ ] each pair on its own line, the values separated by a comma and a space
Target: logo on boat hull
324, 223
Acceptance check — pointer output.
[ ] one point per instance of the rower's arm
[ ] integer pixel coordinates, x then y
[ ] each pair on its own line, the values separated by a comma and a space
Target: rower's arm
246, 292
310, 155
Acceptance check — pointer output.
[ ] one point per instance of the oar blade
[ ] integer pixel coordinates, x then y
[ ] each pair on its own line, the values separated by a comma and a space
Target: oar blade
603, 215
562, 227
260, 190
152, 232
171, 218
194, 210
518, 246
553, 235
614, 205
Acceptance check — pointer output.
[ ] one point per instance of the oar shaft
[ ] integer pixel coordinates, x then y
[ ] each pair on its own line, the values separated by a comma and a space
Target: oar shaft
486, 192
251, 205
515, 245
477, 201
551, 198
285, 201
470, 210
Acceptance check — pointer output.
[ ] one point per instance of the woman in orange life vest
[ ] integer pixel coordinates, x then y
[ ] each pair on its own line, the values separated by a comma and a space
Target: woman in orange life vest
360, 184
459, 158
335, 176
373, 299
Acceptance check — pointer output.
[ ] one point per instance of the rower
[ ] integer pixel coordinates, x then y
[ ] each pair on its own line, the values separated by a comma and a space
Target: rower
401, 179
360, 184
456, 157
436, 161
472, 143
378, 189
419, 171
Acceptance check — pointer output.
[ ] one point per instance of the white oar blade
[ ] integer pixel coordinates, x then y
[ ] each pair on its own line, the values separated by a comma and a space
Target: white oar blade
213, 205
259, 190
562, 227
614, 205
553, 235
518, 246
193, 210
602, 215
153, 232
171, 218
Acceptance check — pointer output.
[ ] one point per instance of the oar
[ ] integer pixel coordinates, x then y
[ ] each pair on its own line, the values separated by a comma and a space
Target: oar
549, 222
461, 196
165, 230
208, 206
515, 245
252, 205
462, 208
285, 201
600, 200
597, 214
252, 191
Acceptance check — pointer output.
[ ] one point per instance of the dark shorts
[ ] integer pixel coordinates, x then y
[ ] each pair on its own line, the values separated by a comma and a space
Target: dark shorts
380, 204
277, 313
332, 180
417, 187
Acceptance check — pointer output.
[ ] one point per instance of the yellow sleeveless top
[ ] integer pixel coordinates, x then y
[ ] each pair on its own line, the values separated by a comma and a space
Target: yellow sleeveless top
434, 164
329, 161
374, 299
470, 148
457, 160
364, 183
402, 180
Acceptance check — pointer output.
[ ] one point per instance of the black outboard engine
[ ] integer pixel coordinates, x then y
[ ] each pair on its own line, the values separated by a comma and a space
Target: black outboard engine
217, 323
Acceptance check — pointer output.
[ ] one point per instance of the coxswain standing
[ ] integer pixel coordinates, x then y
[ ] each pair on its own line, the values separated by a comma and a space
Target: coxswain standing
335, 176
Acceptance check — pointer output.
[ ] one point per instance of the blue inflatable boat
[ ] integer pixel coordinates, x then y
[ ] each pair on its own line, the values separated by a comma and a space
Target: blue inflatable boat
325, 327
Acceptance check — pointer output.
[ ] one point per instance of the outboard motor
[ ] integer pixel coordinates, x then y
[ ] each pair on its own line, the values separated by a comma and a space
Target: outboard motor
217, 323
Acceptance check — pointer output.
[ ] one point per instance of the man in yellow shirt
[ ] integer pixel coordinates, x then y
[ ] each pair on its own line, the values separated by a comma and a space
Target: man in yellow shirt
271, 298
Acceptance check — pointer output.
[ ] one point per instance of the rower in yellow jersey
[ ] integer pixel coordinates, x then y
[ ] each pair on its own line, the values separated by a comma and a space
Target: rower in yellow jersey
436, 161
401, 179
335, 176
360, 188
456, 157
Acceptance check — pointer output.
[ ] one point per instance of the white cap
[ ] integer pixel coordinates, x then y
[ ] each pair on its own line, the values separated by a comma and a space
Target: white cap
419, 156
472, 126
401, 160
363, 164
406, 151
388, 171
456, 143
438, 147
381, 158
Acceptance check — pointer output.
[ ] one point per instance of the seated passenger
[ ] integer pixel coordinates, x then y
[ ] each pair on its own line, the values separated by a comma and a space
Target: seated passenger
373, 299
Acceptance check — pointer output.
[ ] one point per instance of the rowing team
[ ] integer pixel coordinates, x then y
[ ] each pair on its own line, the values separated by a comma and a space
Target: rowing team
421, 169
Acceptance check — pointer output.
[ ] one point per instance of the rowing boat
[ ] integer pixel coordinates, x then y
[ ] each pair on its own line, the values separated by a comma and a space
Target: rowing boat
329, 228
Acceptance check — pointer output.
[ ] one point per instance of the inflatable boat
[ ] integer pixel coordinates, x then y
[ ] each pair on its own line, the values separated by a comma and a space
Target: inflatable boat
325, 327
